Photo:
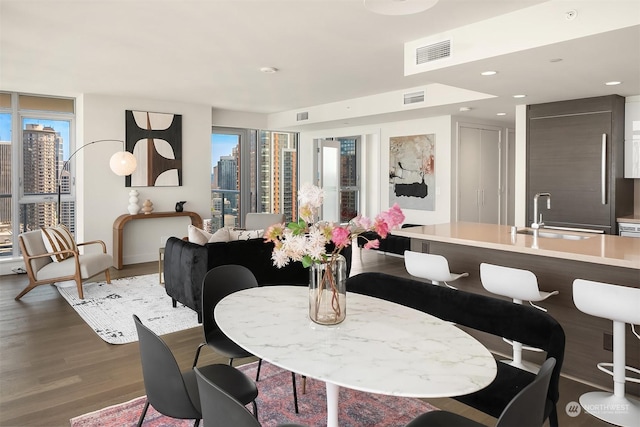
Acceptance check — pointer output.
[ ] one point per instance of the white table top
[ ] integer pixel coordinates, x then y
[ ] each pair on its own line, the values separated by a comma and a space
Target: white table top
381, 347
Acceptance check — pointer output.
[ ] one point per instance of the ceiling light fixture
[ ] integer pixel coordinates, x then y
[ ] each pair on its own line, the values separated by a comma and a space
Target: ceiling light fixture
398, 7
489, 73
465, 109
501, 114
269, 70
519, 96
613, 83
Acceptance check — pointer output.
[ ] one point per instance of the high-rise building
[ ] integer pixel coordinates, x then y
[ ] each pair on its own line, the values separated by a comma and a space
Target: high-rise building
5, 182
278, 174
41, 154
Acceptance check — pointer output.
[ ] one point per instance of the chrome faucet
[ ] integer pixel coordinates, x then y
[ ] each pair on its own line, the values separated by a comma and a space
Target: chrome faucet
537, 221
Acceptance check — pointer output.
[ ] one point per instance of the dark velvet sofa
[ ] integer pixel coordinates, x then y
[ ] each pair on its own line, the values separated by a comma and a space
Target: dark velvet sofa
495, 316
186, 263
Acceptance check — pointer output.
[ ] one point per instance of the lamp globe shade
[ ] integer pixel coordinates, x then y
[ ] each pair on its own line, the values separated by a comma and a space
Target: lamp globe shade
123, 163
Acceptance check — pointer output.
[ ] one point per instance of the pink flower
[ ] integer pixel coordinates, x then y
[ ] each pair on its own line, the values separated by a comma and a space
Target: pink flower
381, 228
341, 237
393, 217
372, 244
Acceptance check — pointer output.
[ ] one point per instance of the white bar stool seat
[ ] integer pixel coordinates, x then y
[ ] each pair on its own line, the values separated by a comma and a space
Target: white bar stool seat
620, 304
431, 267
519, 285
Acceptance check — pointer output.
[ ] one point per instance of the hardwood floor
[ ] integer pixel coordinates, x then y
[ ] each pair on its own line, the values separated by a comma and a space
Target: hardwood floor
53, 367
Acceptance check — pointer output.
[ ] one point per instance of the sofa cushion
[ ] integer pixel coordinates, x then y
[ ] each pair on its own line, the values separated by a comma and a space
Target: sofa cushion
202, 237
238, 234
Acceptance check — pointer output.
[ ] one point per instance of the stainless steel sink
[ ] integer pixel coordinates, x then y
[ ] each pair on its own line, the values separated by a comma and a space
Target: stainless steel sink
552, 235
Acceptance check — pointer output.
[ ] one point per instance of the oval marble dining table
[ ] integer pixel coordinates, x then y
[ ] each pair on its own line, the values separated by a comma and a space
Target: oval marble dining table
381, 347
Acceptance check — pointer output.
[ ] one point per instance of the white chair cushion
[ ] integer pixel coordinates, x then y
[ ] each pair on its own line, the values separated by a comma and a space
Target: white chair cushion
90, 265
58, 239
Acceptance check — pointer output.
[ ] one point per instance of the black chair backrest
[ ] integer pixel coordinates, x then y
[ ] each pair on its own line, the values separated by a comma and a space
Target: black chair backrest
221, 409
527, 408
163, 381
491, 315
218, 283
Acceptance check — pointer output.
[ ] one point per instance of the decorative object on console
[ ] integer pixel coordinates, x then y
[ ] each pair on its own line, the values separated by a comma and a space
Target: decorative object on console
155, 139
306, 241
133, 207
121, 163
180, 206
147, 207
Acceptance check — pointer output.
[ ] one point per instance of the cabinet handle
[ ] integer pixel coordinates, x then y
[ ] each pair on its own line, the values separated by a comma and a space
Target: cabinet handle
604, 169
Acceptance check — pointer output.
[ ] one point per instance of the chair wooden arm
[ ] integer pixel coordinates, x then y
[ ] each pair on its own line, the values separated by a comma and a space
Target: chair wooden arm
93, 242
28, 257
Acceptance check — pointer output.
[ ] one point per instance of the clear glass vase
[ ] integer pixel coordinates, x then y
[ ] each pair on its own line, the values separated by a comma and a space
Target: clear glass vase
328, 292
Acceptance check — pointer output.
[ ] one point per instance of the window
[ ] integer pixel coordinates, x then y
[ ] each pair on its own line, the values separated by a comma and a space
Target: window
337, 160
252, 171
35, 141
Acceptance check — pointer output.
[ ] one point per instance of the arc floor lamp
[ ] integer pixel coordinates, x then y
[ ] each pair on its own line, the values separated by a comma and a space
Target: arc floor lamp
121, 163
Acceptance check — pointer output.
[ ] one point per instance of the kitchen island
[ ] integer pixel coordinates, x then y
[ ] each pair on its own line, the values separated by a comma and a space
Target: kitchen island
556, 261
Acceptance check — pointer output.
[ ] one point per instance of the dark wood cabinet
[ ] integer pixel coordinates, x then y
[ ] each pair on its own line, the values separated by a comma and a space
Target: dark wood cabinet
575, 152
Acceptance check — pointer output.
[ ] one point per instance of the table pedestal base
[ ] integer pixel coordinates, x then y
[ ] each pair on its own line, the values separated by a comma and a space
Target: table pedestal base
332, 404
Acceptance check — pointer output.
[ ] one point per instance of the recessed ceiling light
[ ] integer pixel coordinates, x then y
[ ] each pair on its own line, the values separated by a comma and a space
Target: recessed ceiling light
614, 83
269, 70
398, 7
465, 108
519, 96
501, 114
489, 73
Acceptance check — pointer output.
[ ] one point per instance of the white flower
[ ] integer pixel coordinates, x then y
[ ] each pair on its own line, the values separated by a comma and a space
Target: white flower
311, 195
279, 257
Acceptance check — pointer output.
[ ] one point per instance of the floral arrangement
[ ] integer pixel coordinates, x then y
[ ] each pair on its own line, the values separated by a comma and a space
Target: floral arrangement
306, 239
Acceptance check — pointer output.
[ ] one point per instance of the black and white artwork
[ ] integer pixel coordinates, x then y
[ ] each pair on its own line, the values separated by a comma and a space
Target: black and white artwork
412, 171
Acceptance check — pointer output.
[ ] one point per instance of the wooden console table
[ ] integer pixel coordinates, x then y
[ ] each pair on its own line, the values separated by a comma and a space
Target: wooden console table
119, 223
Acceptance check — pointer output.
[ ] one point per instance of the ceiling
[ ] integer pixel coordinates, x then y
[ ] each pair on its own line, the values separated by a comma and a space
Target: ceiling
210, 52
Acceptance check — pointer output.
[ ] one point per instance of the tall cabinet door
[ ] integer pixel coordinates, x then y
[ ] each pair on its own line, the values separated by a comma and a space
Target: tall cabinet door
566, 159
479, 175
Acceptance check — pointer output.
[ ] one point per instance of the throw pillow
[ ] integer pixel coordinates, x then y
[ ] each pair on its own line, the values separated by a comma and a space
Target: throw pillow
58, 239
245, 234
201, 237
221, 235
197, 236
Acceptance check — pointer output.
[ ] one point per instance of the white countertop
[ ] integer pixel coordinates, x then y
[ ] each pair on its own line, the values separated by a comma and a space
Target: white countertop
597, 248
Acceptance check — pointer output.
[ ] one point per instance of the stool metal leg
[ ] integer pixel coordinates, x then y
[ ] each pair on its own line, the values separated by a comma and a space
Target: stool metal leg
614, 408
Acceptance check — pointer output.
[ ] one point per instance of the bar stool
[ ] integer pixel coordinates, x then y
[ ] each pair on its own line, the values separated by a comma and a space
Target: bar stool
431, 267
620, 304
519, 285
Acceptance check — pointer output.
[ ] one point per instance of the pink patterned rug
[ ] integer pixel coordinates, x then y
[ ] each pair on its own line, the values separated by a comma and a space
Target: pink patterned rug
275, 406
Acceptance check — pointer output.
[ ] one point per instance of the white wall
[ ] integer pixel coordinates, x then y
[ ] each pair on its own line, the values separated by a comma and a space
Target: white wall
102, 196
375, 180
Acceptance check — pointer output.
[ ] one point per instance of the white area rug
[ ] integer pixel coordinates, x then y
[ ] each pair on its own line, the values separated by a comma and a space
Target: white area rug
109, 308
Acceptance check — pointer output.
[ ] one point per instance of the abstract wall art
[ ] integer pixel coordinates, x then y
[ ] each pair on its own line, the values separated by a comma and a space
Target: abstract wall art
412, 171
155, 139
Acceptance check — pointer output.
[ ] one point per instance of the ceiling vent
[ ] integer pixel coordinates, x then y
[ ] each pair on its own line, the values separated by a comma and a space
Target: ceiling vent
302, 116
413, 97
433, 52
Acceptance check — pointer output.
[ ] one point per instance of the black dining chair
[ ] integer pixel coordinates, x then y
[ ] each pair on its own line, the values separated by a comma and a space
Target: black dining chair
218, 283
174, 393
220, 409
526, 409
